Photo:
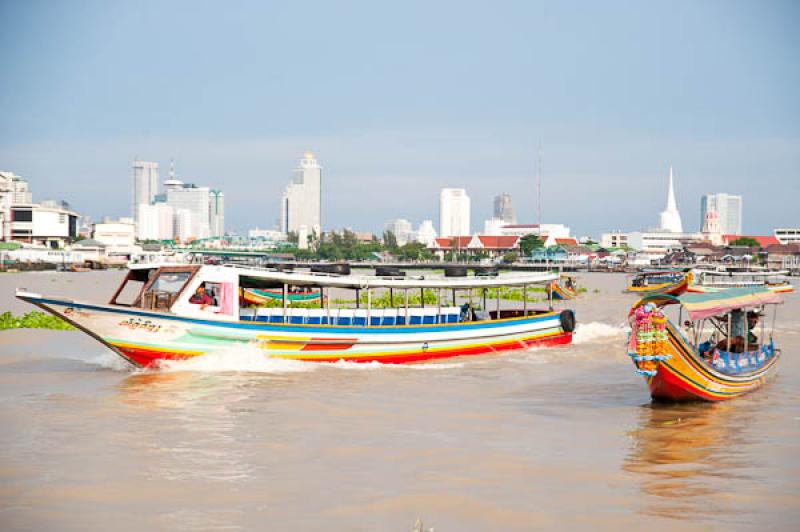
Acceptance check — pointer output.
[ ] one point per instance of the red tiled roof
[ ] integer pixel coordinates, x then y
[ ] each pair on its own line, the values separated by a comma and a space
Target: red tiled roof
498, 242
566, 241
763, 241
453, 242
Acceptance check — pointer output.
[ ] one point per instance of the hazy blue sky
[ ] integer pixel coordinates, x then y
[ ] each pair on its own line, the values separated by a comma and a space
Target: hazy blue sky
400, 99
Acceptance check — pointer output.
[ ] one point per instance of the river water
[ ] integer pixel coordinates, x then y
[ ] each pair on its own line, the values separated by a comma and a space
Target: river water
562, 438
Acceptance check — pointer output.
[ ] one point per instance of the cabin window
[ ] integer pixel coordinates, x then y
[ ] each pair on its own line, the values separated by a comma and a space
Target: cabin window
164, 289
129, 292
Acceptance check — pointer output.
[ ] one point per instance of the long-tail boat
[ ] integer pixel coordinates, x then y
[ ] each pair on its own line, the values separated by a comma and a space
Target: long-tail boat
717, 356
672, 282
707, 281
563, 288
181, 311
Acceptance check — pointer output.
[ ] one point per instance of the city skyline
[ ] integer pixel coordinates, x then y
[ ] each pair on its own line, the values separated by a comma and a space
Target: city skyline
717, 103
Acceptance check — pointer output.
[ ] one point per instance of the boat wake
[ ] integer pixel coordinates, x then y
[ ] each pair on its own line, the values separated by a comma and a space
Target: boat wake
251, 359
596, 332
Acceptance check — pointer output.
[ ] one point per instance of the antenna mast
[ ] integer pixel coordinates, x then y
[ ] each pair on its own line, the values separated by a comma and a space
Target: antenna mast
539, 190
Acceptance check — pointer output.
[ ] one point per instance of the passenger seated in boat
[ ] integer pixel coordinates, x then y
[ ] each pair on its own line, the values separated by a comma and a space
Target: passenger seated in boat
736, 343
200, 297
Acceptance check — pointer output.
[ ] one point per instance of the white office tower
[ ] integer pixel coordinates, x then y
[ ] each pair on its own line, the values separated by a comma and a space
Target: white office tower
729, 211
671, 218
426, 234
454, 212
196, 200
401, 229
504, 210
183, 224
145, 185
156, 222
302, 200
217, 213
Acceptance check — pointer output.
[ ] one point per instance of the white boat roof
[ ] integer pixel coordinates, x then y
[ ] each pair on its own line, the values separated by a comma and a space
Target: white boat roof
362, 282
759, 273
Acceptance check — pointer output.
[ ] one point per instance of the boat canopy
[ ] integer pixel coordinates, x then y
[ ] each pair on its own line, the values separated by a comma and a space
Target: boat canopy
701, 306
364, 282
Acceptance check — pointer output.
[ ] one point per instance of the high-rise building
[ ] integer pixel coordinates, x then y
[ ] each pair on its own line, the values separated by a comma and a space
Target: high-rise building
301, 205
670, 217
454, 210
729, 211
145, 185
196, 200
156, 222
401, 229
504, 210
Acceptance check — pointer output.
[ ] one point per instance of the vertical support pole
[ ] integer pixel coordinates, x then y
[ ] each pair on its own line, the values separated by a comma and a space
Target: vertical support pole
497, 301
328, 304
358, 298
730, 330
746, 332
454, 298
439, 306
524, 300
550, 299
405, 321
369, 306
484, 302
422, 297
391, 298
763, 308
285, 300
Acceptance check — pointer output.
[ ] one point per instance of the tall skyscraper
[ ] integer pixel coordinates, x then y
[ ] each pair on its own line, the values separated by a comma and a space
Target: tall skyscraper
145, 185
504, 210
729, 211
670, 217
301, 204
454, 210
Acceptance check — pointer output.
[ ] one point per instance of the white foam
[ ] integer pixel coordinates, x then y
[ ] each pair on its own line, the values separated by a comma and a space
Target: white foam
596, 332
375, 365
239, 359
109, 360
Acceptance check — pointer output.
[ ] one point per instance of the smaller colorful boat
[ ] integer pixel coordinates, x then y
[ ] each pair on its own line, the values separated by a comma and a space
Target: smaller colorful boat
718, 358
255, 296
672, 282
563, 289
709, 281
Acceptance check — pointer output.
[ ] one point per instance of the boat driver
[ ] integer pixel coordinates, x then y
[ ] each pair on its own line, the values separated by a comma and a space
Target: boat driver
737, 340
200, 297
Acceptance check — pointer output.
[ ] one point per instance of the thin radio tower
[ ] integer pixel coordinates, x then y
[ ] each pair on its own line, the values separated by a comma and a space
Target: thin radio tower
539, 190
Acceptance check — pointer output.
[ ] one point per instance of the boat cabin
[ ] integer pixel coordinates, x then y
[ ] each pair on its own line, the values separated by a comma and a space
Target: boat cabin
228, 293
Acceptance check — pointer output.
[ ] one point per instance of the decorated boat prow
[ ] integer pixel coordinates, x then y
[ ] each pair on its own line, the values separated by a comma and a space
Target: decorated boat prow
723, 349
671, 282
165, 312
